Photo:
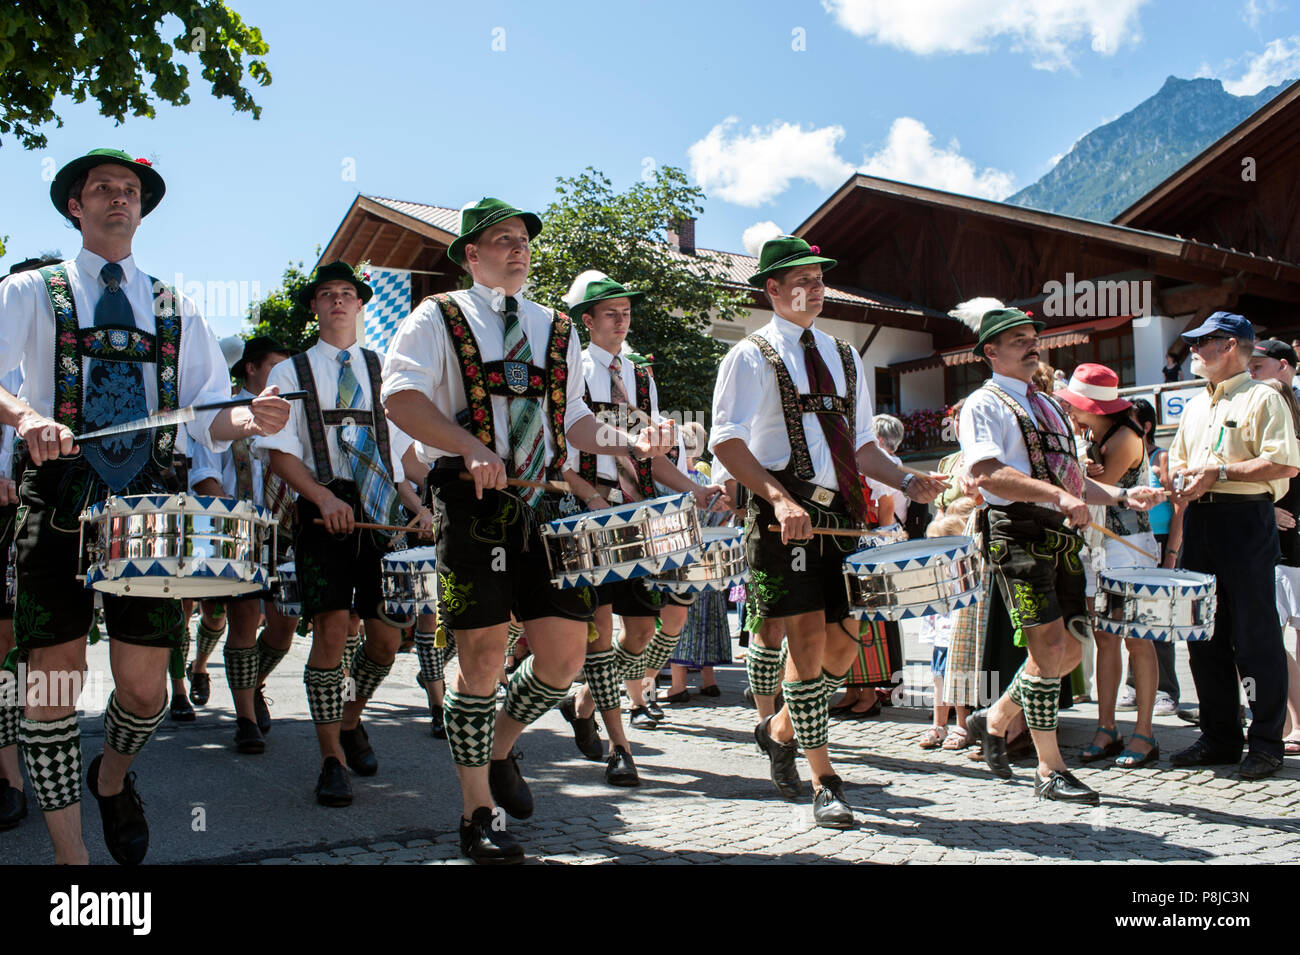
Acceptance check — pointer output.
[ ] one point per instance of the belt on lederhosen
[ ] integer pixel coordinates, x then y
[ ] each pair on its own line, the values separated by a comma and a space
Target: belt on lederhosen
821, 496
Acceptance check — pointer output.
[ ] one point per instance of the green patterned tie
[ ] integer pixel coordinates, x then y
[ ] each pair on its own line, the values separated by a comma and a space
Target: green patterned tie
526, 450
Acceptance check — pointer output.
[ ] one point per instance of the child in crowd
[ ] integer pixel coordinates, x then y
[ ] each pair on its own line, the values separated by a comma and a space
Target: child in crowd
936, 631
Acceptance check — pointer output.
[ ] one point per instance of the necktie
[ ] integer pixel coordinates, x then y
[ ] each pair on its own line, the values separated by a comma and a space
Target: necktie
836, 428
618, 395
115, 393
379, 498
526, 450
1064, 466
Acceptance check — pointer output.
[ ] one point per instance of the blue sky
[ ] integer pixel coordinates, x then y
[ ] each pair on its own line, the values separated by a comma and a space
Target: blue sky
770, 105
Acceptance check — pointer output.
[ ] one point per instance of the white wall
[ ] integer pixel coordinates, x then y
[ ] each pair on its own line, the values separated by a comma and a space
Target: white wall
921, 389
1151, 340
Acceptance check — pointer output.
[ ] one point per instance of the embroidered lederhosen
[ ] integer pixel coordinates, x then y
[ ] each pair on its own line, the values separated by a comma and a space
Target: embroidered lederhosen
1035, 556
587, 462
779, 587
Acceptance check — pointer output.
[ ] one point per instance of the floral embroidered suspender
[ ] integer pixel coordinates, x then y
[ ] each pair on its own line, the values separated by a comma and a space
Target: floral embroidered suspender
111, 343
795, 405
608, 411
318, 417
509, 379
1033, 435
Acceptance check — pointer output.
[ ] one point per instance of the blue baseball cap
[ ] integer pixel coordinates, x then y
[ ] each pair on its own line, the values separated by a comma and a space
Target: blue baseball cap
1225, 324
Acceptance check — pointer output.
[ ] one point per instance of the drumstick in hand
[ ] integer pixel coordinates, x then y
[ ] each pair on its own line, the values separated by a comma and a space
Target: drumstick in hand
559, 487
1113, 536
835, 531
395, 528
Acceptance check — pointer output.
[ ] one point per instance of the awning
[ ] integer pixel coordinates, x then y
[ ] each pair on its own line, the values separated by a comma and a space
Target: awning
1062, 336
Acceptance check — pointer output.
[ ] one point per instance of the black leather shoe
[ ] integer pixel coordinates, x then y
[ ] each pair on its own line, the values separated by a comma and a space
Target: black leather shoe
642, 720
784, 774
994, 747
126, 833
620, 770
261, 711
655, 710
1201, 753
1063, 787
585, 733
830, 808
712, 691
356, 747
180, 710
1258, 766
678, 698
13, 805
486, 845
333, 788
437, 724
200, 685
508, 786
248, 738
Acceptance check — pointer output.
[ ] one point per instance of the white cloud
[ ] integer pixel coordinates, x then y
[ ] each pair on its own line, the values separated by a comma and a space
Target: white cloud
1256, 10
753, 238
910, 155
755, 166
1279, 61
1049, 31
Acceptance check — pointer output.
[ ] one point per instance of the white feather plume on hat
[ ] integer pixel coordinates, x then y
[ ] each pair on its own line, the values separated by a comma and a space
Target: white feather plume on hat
232, 346
972, 310
578, 290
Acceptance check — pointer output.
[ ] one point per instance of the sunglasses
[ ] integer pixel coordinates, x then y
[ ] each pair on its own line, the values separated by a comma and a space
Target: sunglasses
1199, 342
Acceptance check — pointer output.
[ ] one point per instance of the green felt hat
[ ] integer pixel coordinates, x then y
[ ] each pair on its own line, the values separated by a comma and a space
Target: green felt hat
998, 320
591, 287
487, 212
150, 181
338, 271
785, 252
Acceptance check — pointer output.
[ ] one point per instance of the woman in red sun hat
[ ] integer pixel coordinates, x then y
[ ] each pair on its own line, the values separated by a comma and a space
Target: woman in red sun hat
1119, 452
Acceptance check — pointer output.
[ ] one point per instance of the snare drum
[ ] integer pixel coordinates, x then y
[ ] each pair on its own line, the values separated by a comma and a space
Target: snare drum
720, 565
1151, 603
178, 545
934, 575
288, 598
620, 543
410, 581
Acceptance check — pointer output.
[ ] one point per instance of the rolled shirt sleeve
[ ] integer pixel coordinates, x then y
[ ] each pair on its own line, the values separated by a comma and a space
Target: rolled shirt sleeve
1275, 432
736, 395
982, 435
414, 361
289, 438
575, 403
865, 427
205, 464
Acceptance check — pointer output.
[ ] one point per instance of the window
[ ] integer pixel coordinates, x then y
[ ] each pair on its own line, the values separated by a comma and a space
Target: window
960, 380
886, 391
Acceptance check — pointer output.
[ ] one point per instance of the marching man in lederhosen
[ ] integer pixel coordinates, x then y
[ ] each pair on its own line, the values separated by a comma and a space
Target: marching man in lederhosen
792, 423
101, 343
1019, 447
342, 456
491, 383
239, 473
619, 389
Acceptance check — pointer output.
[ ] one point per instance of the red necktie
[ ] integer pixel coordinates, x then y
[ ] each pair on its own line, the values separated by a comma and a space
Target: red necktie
836, 429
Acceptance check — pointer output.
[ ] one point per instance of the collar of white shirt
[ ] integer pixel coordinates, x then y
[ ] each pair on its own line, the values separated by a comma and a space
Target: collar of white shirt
331, 354
492, 298
92, 263
789, 330
602, 356
1013, 385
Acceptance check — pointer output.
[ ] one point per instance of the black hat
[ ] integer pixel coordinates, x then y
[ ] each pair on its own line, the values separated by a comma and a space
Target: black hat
255, 349
338, 271
1272, 348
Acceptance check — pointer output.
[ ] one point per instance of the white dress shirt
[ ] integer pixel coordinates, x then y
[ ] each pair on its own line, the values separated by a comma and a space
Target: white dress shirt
11, 382
595, 369
207, 464
747, 400
988, 430
28, 339
421, 357
295, 438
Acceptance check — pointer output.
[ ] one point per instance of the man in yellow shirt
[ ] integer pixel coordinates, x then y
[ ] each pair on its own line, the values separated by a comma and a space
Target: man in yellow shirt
1235, 451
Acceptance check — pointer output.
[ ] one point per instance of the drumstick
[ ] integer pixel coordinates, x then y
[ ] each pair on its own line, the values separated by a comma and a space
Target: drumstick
559, 487
1113, 536
396, 528
418, 516
835, 531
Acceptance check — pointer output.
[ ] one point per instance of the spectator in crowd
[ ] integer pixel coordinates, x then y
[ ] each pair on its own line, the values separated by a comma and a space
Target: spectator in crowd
936, 632
1173, 370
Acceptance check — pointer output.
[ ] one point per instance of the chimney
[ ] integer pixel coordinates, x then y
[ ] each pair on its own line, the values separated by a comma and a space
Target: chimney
681, 234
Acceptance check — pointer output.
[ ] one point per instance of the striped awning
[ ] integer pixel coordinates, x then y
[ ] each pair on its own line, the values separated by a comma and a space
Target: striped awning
1063, 336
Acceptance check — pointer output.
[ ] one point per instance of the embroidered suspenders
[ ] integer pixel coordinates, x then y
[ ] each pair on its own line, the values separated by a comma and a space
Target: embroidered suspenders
73, 343
1035, 438
795, 405
509, 379
645, 482
318, 418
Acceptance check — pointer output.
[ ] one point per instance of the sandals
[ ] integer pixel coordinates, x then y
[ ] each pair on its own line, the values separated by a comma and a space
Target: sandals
959, 738
1092, 752
1131, 760
1291, 747
933, 737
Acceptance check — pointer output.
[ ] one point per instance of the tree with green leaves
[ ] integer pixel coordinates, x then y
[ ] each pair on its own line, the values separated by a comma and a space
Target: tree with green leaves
114, 52
624, 234
281, 316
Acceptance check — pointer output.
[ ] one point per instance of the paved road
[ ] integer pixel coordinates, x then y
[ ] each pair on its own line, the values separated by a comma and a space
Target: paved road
706, 796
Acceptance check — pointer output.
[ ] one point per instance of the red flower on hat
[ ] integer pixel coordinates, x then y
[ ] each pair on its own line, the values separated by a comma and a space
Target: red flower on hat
1029, 312
142, 161
815, 249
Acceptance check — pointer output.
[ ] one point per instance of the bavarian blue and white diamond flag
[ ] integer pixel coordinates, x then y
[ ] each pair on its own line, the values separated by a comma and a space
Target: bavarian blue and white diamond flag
390, 304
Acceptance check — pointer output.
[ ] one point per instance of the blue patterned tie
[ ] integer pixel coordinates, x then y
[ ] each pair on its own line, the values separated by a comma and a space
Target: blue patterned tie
114, 392
379, 498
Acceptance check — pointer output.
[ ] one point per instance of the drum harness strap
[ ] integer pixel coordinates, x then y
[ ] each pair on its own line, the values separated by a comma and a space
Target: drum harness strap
318, 418
609, 412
